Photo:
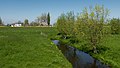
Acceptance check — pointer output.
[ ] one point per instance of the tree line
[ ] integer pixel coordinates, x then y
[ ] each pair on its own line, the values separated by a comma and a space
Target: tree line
43, 20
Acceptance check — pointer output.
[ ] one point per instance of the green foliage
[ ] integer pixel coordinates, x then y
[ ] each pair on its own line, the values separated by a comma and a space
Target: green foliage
26, 22
34, 24
111, 56
115, 26
95, 22
65, 23
48, 18
88, 26
1, 22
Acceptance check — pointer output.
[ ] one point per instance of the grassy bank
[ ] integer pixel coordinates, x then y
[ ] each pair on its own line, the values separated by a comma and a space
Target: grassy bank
112, 54
30, 48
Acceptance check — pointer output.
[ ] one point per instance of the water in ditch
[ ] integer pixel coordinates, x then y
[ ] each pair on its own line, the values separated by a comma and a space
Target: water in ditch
79, 59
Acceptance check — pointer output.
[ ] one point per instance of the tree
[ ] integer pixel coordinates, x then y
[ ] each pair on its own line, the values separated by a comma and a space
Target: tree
26, 22
42, 20
19, 22
91, 25
65, 23
34, 23
87, 27
115, 26
1, 22
48, 19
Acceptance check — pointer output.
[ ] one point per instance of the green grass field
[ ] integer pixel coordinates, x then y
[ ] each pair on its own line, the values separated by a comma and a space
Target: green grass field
112, 54
30, 47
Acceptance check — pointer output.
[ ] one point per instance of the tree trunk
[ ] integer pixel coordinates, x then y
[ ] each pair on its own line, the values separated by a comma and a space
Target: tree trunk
94, 49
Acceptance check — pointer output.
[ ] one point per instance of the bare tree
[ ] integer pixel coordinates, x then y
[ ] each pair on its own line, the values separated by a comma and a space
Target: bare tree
42, 20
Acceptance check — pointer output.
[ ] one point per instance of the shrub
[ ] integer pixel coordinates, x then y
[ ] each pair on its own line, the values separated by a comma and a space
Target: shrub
115, 26
65, 24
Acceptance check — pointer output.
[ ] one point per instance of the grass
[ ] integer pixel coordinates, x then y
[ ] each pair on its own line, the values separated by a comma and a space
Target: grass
112, 55
30, 47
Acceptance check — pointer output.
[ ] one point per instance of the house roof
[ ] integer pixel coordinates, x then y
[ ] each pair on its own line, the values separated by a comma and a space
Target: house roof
16, 23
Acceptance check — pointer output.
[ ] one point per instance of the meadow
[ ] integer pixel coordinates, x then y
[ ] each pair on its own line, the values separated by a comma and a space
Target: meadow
30, 47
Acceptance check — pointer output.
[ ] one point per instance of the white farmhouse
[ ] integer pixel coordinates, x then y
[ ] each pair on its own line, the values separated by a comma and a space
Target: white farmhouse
16, 25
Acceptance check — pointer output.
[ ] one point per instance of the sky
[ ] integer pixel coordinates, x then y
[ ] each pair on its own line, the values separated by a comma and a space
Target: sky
14, 10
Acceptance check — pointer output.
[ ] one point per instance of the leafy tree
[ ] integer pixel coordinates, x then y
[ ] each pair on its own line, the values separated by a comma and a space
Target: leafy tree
115, 26
93, 23
1, 22
61, 24
19, 22
26, 22
65, 24
48, 19
34, 24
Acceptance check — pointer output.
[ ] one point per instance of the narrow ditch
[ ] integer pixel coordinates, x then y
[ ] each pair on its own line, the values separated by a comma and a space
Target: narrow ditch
79, 59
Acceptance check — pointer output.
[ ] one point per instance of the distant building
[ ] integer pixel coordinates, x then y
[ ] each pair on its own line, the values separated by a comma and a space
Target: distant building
43, 24
16, 24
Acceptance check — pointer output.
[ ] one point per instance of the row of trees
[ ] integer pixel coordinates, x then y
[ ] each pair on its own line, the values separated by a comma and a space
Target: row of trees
43, 20
86, 26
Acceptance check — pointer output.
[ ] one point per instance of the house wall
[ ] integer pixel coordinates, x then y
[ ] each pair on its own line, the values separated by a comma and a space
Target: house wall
16, 25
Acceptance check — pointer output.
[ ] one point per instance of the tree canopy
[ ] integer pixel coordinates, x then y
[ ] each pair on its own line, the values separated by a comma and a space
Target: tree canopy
1, 22
26, 22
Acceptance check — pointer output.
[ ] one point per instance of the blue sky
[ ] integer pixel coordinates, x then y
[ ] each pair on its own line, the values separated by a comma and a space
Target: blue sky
14, 10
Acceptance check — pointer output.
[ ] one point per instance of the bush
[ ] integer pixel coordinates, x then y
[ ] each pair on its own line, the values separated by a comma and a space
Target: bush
115, 26
65, 24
